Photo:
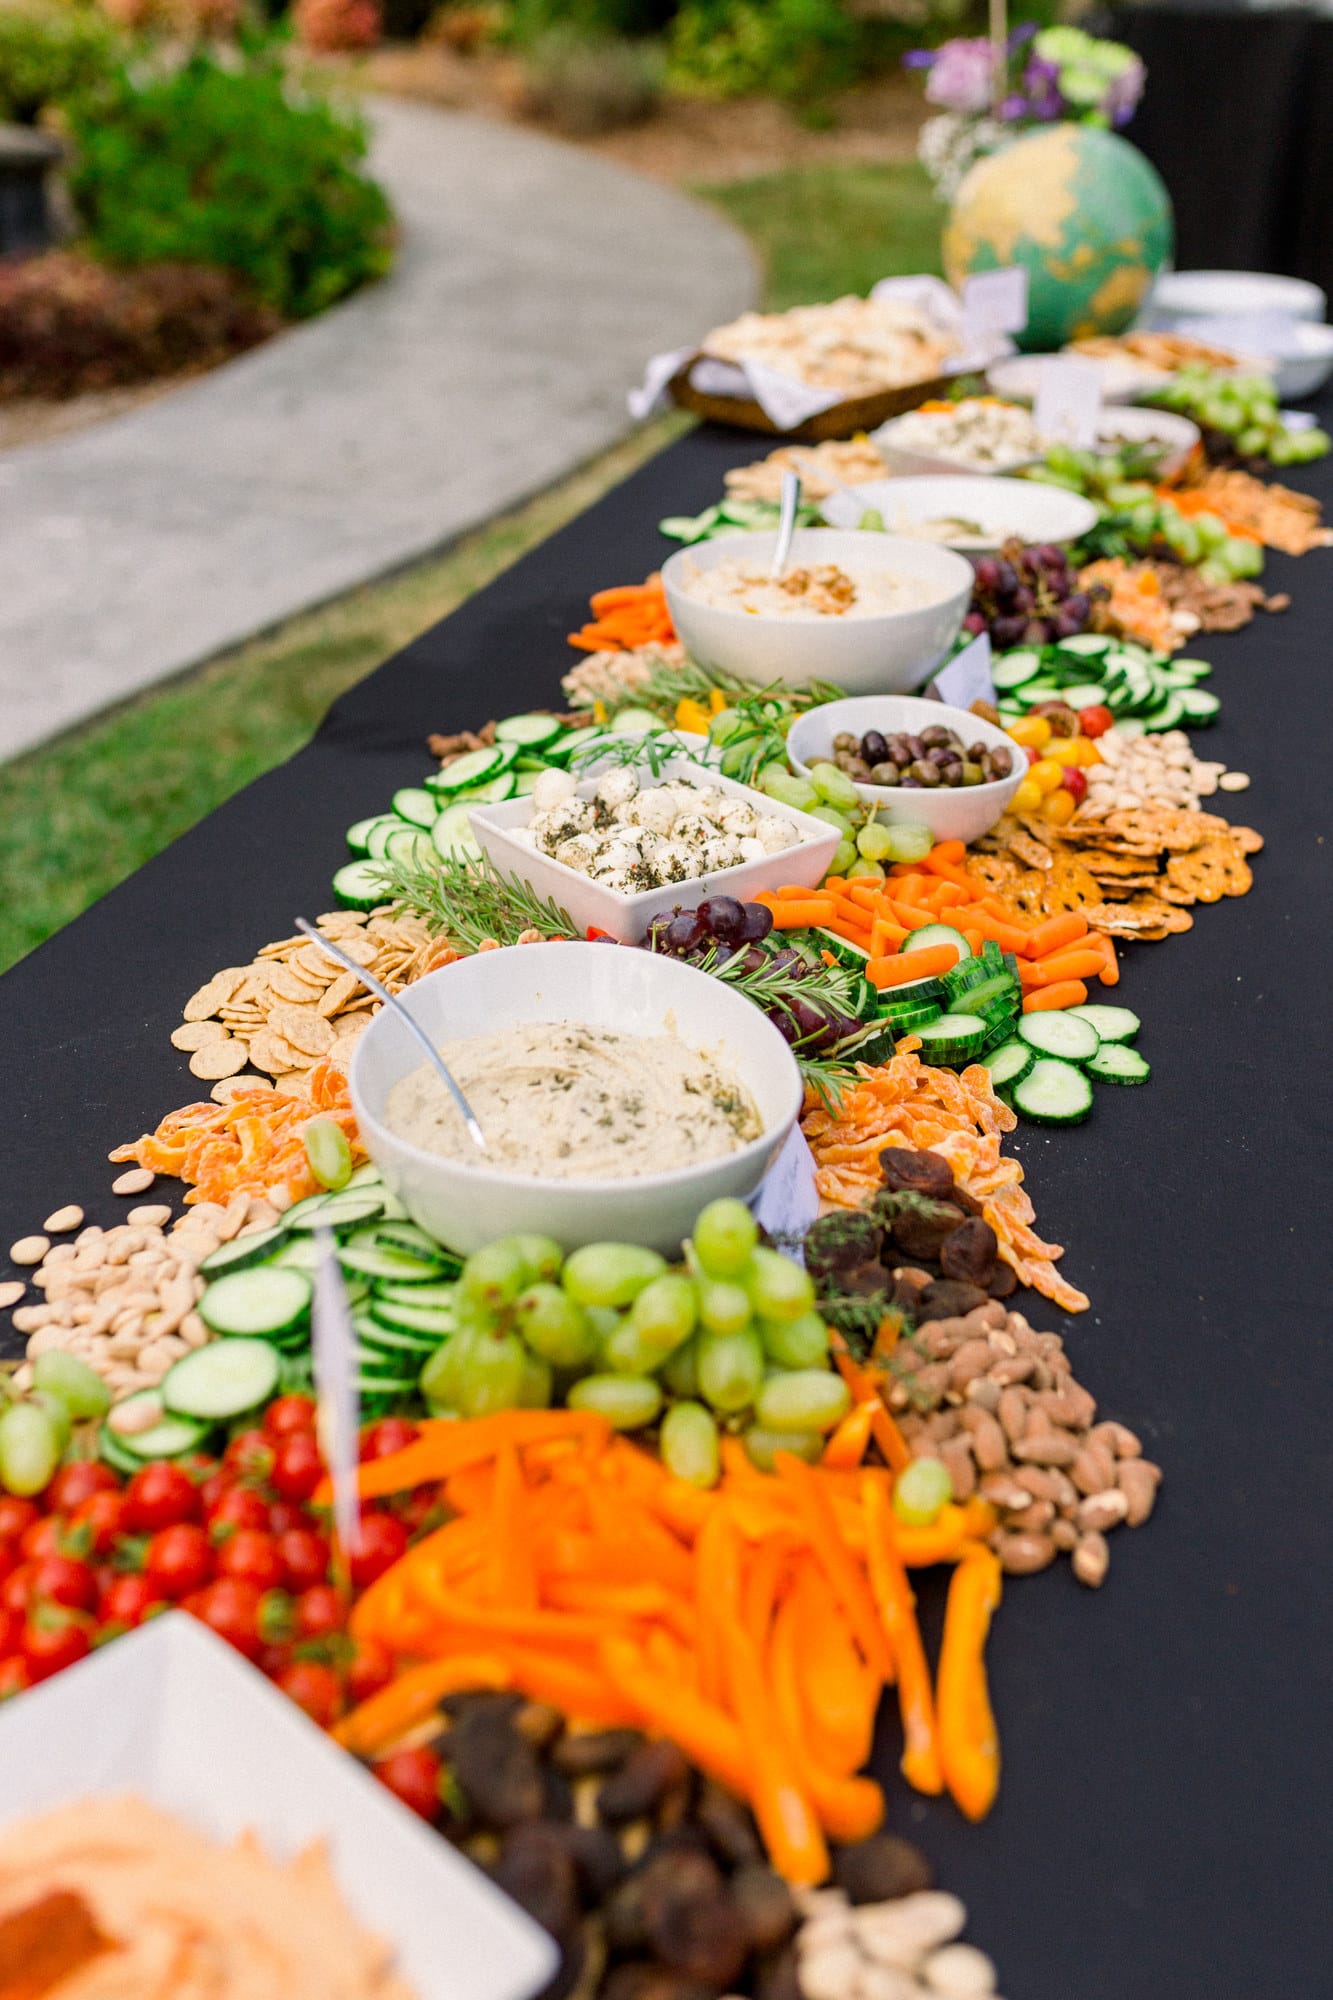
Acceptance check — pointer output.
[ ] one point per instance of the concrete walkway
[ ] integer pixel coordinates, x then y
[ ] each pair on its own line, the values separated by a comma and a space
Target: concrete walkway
533, 282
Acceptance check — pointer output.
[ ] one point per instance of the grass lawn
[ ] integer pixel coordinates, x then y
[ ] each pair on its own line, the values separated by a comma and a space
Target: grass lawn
79, 815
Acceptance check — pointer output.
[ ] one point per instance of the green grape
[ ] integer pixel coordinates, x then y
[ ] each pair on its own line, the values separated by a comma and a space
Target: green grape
440, 1380
832, 817
723, 1307
628, 1402
30, 1448
762, 1446
688, 1443
538, 1384
776, 782
912, 840
723, 726
610, 1274
834, 786
796, 1343
79, 1387
681, 1370
491, 1374
1251, 441
920, 1490
603, 1320
554, 1327
1212, 531
724, 1236
874, 842
542, 1255
845, 859
56, 1411
328, 1152
626, 1352
802, 1399
494, 1276
1241, 558
778, 1288
664, 1313
874, 870
871, 521
734, 760
731, 1369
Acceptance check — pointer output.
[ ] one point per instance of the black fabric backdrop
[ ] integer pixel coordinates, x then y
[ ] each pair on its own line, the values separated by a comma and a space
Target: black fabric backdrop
1163, 1825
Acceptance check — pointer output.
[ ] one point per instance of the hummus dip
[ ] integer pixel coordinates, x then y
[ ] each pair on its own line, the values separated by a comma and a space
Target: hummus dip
822, 590
558, 1101
130, 1904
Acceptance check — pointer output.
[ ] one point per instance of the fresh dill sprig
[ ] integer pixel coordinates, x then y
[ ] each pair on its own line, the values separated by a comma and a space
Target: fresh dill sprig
470, 900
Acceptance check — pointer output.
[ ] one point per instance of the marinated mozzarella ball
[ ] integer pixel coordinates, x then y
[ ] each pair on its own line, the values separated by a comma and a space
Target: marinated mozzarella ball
552, 788
774, 834
581, 852
616, 788
736, 817
752, 849
655, 808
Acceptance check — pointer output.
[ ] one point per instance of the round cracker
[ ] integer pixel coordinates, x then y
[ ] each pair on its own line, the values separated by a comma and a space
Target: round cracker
193, 1035
303, 1027
229, 1087
217, 1059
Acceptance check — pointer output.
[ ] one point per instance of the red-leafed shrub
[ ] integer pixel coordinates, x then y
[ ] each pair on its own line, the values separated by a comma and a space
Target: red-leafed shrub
331, 25
68, 324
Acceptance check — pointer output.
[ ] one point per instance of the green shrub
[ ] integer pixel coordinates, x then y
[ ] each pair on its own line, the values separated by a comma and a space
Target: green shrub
583, 84
801, 50
48, 54
219, 162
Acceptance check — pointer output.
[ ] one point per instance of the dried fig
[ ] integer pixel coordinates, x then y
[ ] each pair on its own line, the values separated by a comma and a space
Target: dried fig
950, 1298
970, 1252
920, 1171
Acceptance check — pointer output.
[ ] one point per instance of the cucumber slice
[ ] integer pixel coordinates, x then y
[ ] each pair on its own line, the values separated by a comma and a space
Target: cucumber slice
960, 979
415, 804
256, 1248
1114, 1063
1165, 715
299, 1253
383, 831
112, 1452
452, 834
366, 1175
222, 1380
1085, 694
996, 1000
1010, 1063
854, 956
953, 1038
1053, 1092
359, 885
171, 1438
526, 782
393, 1386
393, 1291
1011, 670
309, 1204
345, 1210
494, 789
471, 768
1197, 705
933, 934
1058, 1033
917, 995
529, 732
266, 1300
409, 847
1087, 645
1199, 669
1113, 1024
358, 832
406, 1339
634, 722
1046, 689
411, 1241
573, 740
365, 1254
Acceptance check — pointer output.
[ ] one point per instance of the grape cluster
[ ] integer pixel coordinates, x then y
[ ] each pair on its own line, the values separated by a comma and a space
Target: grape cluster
727, 936
1027, 596
719, 922
731, 1340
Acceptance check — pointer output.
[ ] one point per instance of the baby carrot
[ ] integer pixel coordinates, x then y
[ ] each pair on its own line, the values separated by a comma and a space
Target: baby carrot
793, 892
1083, 963
946, 852
1110, 963
903, 966
812, 915
1055, 934
1046, 999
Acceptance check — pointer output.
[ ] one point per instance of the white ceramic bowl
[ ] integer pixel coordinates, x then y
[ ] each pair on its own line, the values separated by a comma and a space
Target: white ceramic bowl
592, 904
998, 507
910, 461
602, 986
1177, 434
889, 653
962, 814
1305, 361
1229, 294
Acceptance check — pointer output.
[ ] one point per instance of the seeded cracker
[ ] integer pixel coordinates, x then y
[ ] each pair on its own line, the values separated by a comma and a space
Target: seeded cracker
218, 1059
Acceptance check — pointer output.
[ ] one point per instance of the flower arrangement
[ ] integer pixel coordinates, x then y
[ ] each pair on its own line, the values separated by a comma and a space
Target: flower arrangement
1041, 75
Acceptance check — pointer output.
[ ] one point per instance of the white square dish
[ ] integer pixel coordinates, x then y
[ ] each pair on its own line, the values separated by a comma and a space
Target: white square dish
591, 904
172, 1715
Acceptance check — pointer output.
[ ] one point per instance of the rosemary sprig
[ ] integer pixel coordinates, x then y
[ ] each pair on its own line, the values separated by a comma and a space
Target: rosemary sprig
653, 751
670, 681
472, 901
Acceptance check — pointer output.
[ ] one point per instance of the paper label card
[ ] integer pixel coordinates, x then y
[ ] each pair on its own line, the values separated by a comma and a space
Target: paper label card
1068, 402
995, 301
967, 678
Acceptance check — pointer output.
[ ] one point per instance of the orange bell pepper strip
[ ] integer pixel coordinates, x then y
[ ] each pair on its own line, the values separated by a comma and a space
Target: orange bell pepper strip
787, 1820
921, 1763
850, 1441
702, 1728
843, 1572
384, 1717
969, 1741
838, 1692
447, 1445
849, 1808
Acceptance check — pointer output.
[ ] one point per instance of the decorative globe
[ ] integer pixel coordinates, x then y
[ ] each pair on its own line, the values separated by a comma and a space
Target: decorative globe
1084, 213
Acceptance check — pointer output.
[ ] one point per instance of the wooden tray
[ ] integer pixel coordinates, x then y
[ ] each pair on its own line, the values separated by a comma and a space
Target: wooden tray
842, 420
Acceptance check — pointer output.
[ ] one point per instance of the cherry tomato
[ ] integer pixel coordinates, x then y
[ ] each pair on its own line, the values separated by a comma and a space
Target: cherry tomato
159, 1496
13, 1676
383, 1540
230, 1606
11, 1558
274, 1660
297, 1466
319, 1610
249, 1456
73, 1484
389, 1435
212, 1489
414, 1777
99, 1521
44, 1538
15, 1589
313, 1688
369, 1669
288, 1414
129, 1599
253, 1556
16, 1515
179, 1560
1095, 721
286, 1515
11, 1632
53, 1639
239, 1507
62, 1580
305, 1558
1075, 782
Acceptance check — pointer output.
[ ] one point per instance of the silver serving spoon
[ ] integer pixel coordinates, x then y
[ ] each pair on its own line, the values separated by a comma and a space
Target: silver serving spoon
382, 993
791, 500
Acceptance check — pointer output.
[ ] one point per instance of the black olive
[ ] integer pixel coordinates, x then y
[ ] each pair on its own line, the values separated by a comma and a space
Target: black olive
874, 748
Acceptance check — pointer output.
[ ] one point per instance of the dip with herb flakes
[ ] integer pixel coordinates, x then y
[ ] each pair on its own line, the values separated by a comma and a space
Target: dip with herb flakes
821, 590
559, 1101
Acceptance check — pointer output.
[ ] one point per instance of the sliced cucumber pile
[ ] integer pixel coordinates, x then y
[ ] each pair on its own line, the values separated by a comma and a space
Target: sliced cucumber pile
982, 990
1142, 689
1053, 1093
1046, 1070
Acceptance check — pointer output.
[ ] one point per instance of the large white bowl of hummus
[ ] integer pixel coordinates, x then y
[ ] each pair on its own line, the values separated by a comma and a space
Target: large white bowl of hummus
873, 613
619, 1092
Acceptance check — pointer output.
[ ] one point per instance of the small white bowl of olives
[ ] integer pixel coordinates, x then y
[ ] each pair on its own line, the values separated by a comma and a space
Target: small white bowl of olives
914, 759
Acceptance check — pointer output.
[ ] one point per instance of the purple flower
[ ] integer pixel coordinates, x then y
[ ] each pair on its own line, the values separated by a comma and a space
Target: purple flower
918, 58
960, 76
1121, 100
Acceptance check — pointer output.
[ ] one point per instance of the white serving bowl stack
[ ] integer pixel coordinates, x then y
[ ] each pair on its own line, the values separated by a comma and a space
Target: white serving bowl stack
599, 986
962, 812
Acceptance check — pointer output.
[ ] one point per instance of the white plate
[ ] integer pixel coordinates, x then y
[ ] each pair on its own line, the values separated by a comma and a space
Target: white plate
999, 507
1226, 294
1178, 434
1124, 379
173, 1715
591, 904
961, 813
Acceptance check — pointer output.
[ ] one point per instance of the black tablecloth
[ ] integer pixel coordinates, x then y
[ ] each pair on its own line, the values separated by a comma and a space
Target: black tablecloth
1238, 120
1162, 1830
